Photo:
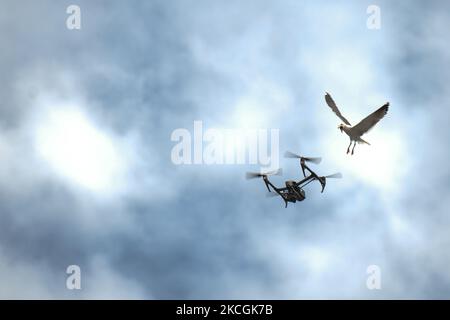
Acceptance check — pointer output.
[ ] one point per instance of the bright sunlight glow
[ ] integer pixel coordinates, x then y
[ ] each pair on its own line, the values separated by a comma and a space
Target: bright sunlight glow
380, 164
77, 150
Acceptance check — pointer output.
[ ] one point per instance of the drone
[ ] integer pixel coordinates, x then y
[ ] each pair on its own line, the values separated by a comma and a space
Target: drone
293, 191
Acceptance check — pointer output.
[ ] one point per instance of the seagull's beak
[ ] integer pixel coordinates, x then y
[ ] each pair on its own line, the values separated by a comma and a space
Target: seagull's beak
340, 128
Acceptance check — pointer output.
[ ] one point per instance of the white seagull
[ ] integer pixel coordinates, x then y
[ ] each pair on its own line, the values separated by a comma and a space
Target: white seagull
362, 127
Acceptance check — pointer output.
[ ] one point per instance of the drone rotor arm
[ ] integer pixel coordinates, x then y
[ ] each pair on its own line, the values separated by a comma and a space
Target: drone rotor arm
304, 168
323, 183
302, 164
323, 180
267, 183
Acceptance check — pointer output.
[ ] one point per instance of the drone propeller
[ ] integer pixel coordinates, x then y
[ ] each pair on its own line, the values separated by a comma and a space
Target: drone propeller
323, 180
315, 160
289, 154
337, 175
252, 175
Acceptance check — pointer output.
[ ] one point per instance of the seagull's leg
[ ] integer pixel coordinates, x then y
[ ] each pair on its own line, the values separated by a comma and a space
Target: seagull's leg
353, 147
348, 149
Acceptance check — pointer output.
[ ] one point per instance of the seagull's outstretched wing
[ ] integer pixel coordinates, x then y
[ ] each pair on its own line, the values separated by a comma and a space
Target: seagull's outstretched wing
371, 120
334, 107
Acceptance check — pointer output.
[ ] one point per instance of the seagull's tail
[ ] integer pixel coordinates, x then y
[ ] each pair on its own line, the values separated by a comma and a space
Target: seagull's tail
362, 141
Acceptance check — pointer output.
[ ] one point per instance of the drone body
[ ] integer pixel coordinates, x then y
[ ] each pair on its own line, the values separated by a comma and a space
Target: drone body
293, 190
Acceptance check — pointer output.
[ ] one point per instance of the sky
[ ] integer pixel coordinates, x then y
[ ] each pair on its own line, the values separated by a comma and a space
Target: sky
87, 178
